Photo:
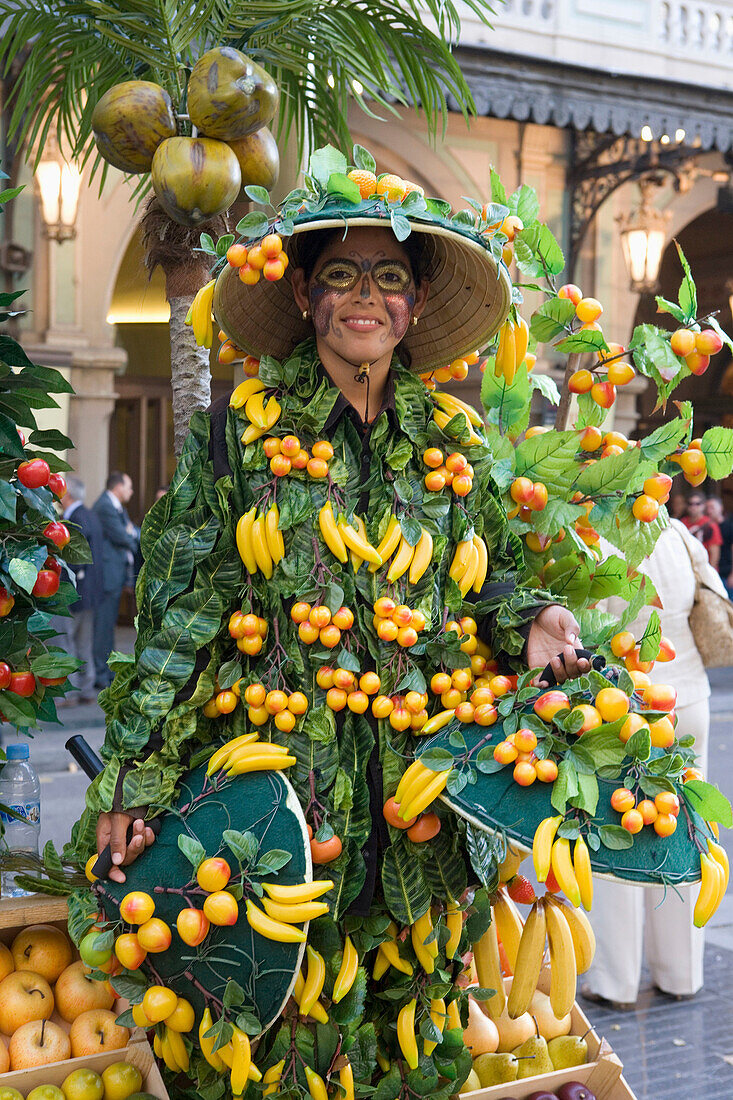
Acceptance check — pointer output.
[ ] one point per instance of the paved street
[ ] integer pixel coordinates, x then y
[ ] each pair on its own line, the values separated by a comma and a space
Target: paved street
668, 1048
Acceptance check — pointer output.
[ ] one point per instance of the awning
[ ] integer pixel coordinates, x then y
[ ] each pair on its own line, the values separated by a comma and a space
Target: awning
552, 94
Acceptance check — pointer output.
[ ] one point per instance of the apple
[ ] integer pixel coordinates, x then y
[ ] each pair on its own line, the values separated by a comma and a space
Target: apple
34, 474
7, 963
91, 948
121, 1080
221, 908
645, 508
24, 996
480, 1034
591, 717
549, 703
580, 381
632, 725
4, 1058
38, 1043
659, 697
76, 992
683, 342
213, 874
612, 704
57, 485
45, 1092
658, 486
539, 497
57, 533
7, 602
708, 342
8, 1093
22, 683
96, 1032
47, 584
662, 733
604, 394
83, 1084
570, 291
521, 490
159, 1003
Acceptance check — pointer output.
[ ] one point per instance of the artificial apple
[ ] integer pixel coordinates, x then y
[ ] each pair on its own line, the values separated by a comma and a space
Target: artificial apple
549, 703
574, 1090
708, 342
612, 704
659, 697
7, 602
47, 584
34, 474
193, 926
83, 1084
22, 683
24, 996
213, 874
94, 948
137, 907
221, 908
590, 715
38, 1043
76, 992
129, 952
57, 485
4, 1058
95, 1032
604, 394
57, 533
154, 935
682, 342
121, 1080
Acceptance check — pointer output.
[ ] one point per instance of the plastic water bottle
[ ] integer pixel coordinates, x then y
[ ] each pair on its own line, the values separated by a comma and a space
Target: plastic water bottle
21, 791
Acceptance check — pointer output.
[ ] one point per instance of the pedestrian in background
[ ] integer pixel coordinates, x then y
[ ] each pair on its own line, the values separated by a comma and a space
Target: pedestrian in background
76, 631
705, 530
120, 543
716, 512
631, 920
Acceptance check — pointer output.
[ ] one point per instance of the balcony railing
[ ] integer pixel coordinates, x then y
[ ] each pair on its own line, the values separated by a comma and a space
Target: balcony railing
679, 40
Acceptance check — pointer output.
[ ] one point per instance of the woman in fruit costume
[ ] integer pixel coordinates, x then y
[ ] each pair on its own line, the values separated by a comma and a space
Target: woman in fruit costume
304, 577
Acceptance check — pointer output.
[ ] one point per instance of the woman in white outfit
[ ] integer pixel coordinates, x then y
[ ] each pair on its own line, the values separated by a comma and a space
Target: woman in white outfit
627, 919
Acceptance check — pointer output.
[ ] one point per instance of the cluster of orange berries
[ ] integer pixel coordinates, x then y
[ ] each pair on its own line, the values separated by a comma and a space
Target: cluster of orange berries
477, 650
624, 645
518, 749
317, 624
510, 226
456, 371
395, 622
249, 630
266, 258
692, 463
285, 708
229, 353
696, 347
402, 711
224, 702
655, 493
529, 496
454, 471
345, 688
287, 454
387, 186
661, 813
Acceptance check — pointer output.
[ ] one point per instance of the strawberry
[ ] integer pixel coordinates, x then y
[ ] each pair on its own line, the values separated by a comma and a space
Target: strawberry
520, 890
551, 884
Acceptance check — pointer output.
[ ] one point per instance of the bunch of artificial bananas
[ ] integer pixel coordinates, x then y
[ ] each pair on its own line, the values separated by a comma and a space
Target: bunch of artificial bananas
259, 756
443, 418
715, 872
442, 718
296, 904
453, 405
513, 341
406, 1036
347, 971
244, 391
418, 787
271, 928
220, 758
339, 536
470, 564
262, 417
424, 943
388, 954
260, 541
572, 871
200, 317
415, 558
171, 1048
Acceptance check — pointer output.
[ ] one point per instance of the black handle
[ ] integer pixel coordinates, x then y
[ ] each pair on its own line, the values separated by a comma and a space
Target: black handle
92, 765
104, 864
597, 662
85, 756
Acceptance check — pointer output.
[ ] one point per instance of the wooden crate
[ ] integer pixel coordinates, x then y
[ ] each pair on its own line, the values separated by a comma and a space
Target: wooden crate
601, 1073
138, 1054
17, 913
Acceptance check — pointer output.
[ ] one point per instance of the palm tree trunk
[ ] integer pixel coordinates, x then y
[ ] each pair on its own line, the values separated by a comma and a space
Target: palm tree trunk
190, 373
174, 247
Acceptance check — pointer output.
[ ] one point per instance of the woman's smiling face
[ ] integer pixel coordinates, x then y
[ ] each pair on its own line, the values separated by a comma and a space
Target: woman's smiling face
362, 295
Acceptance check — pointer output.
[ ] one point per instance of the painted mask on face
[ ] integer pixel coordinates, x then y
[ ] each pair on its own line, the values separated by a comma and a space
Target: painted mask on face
341, 279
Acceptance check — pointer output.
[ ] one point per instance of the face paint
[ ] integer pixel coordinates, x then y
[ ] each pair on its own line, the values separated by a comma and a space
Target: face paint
339, 276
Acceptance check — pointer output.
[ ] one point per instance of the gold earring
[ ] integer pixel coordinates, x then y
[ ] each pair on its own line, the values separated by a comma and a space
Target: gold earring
415, 320
305, 314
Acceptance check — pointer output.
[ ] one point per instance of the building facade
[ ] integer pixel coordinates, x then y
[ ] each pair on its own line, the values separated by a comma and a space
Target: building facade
579, 98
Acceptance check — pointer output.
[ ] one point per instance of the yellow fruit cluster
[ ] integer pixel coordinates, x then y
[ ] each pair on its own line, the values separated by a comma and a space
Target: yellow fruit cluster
249, 631
470, 564
317, 624
397, 622
518, 749
260, 541
264, 259
287, 454
283, 707
512, 349
454, 471
347, 689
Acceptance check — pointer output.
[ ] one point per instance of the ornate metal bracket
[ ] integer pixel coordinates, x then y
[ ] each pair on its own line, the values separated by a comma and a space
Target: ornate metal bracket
603, 162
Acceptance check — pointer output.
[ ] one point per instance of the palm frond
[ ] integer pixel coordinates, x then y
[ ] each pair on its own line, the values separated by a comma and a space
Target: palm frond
65, 54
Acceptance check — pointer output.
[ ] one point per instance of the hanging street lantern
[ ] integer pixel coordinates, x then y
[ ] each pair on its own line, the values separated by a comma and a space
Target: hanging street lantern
643, 237
59, 183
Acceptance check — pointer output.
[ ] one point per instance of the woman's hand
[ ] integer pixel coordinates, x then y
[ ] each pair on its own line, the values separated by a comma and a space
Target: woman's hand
555, 632
112, 829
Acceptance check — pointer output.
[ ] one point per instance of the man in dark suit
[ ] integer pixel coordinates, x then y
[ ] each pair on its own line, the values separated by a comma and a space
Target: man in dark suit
120, 539
76, 631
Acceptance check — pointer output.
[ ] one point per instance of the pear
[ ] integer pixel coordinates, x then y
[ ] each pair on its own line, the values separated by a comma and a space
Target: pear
533, 1055
471, 1084
568, 1050
549, 1024
480, 1035
495, 1069
513, 1032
